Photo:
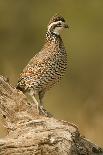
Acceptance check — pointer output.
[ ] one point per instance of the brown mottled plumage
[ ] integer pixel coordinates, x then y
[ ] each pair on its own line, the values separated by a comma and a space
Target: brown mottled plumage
48, 66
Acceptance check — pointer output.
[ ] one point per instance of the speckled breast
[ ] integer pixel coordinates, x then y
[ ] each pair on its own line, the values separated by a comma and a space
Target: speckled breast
54, 72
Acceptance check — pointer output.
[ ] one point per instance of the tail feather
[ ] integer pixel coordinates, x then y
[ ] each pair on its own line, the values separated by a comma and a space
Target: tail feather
19, 88
21, 85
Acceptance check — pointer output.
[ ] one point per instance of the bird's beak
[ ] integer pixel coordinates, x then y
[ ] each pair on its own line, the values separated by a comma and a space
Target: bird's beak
66, 25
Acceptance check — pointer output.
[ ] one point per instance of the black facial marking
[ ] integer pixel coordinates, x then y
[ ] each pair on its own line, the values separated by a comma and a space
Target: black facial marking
59, 25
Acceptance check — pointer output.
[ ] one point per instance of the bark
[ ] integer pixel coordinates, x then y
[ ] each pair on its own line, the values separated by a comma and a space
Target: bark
29, 133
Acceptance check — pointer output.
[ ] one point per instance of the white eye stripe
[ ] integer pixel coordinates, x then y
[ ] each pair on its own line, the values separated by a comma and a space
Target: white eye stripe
54, 24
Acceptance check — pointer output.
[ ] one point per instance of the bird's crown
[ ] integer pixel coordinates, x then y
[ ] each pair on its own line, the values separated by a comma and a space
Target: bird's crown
57, 17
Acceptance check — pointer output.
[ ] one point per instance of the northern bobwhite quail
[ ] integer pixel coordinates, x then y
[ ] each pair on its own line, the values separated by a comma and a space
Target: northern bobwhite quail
48, 66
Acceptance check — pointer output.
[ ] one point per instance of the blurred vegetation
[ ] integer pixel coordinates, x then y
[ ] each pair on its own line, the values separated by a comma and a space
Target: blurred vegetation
79, 96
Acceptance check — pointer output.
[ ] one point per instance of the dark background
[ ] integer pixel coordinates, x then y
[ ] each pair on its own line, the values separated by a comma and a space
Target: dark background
79, 96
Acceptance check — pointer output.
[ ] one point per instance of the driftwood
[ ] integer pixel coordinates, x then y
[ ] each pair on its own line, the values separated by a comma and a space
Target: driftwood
29, 133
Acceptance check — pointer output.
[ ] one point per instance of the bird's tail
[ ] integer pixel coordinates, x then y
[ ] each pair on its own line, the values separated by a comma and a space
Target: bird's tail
19, 87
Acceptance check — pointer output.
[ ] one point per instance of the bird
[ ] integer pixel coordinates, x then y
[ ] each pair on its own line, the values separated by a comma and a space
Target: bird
47, 67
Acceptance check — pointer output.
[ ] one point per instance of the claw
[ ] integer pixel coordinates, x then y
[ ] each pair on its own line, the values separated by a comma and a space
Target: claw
44, 112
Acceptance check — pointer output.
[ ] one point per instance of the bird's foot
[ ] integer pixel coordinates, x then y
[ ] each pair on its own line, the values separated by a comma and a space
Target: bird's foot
44, 112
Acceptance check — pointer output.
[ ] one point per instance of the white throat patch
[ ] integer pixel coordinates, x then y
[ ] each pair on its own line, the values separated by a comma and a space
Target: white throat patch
57, 30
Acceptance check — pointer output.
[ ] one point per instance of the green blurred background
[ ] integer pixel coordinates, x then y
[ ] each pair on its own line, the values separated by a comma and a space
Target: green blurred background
79, 96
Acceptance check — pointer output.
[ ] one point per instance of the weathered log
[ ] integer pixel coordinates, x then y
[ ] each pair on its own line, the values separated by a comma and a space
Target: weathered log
29, 133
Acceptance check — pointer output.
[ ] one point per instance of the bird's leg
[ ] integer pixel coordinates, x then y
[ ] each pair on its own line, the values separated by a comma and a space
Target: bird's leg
34, 99
42, 110
41, 95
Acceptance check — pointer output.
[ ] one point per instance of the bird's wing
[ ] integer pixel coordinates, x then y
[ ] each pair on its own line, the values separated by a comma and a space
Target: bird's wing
38, 65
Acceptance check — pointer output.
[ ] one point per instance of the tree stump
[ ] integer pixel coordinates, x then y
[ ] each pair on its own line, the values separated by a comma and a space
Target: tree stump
29, 133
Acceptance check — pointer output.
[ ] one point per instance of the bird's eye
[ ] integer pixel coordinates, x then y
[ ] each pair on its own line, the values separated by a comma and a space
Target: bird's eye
59, 25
